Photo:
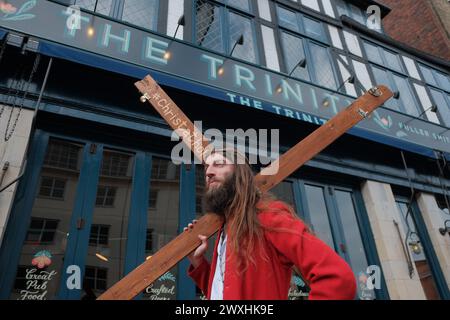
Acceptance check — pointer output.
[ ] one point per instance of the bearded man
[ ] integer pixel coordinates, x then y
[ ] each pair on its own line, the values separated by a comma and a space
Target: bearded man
261, 240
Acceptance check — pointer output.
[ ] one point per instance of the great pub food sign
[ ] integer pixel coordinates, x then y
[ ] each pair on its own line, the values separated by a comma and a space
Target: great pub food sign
228, 79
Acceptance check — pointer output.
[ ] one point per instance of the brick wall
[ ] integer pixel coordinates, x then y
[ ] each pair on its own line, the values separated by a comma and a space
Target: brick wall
424, 25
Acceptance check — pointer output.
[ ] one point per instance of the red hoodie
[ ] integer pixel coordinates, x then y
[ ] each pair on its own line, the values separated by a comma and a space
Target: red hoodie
327, 274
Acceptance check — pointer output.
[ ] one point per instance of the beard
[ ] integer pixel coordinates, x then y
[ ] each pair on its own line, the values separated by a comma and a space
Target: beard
219, 198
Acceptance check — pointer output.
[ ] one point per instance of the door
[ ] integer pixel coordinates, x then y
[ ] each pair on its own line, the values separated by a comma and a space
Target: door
333, 214
85, 215
422, 253
47, 206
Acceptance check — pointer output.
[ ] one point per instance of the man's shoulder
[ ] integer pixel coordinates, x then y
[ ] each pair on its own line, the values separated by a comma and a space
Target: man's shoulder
273, 206
275, 211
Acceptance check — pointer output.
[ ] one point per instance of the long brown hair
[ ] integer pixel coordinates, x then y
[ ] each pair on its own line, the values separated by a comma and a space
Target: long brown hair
243, 227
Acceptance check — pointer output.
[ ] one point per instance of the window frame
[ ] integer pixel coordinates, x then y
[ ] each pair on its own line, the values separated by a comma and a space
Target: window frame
311, 69
52, 188
224, 10
432, 70
154, 192
41, 232
300, 16
446, 95
95, 278
393, 85
121, 7
381, 49
106, 196
97, 235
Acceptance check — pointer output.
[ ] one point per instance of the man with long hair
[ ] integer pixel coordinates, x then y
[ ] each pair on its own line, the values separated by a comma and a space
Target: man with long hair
260, 241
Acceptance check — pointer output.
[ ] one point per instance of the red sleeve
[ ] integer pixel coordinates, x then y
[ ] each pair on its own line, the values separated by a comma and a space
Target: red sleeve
328, 275
200, 275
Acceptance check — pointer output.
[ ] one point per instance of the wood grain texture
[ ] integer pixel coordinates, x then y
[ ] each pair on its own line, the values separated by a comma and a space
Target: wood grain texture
168, 256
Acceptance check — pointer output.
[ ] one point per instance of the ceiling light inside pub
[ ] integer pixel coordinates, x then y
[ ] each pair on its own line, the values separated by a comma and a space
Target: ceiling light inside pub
101, 257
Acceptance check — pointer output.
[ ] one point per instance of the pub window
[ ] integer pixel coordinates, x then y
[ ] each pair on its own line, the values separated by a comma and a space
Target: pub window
200, 177
407, 102
41, 231
96, 278
239, 4
21, 281
159, 168
104, 7
442, 101
149, 240
319, 70
443, 80
199, 204
62, 154
323, 70
105, 196
382, 56
294, 51
152, 199
218, 28
115, 164
142, 13
357, 13
298, 22
313, 4
435, 78
407, 98
382, 76
99, 235
342, 8
52, 187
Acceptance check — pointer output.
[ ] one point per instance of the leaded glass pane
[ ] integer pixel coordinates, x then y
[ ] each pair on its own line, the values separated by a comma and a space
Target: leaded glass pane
322, 66
293, 53
208, 27
143, 13
240, 25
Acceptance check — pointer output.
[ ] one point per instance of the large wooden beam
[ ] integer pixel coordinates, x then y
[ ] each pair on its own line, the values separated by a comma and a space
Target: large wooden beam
168, 256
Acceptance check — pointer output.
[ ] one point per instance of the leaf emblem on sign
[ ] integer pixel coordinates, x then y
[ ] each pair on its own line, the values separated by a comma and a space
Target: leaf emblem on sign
42, 259
167, 276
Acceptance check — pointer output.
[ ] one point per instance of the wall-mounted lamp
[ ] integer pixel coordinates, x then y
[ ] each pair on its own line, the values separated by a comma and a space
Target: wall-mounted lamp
239, 41
415, 247
415, 244
396, 95
181, 22
445, 229
301, 64
350, 79
326, 102
432, 108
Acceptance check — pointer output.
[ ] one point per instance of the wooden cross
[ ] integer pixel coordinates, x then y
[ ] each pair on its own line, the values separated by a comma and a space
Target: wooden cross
169, 255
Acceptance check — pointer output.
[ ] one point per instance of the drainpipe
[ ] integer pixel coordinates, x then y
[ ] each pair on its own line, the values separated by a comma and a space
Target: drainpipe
4, 169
